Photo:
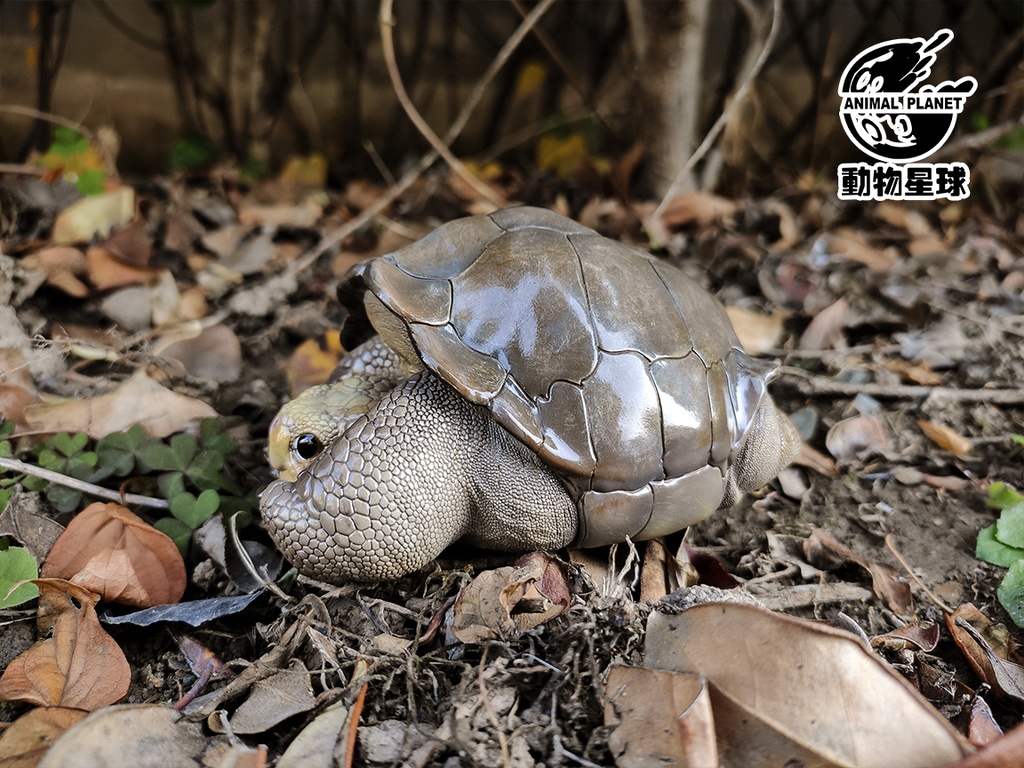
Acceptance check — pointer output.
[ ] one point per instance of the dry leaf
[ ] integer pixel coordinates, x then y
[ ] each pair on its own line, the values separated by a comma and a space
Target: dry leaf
983, 728
140, 400
1002, 753
854, 246
757, 333
918, 373
946, 437
27, 739
661, 718
512, 599
857, 438
816, 461
130, 734
96, 215
313, 361
304, 215
78, 664
107, 272
130, 245
273, 699
699, 208
111, 551
64, 266
986, 646
786, 691
825, 331
824, 551
214, 353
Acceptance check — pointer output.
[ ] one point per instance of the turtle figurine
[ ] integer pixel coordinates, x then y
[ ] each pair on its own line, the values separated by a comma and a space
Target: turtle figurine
531, 385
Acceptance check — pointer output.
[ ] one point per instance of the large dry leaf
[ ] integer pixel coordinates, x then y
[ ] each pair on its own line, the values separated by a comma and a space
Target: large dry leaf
213, 353
661, 718
78, 665
107, 272
27, 739
847, 243
113, 552
512, 599
786, 689
284, 693
1001, 753
130, 735
140, 400
757, 333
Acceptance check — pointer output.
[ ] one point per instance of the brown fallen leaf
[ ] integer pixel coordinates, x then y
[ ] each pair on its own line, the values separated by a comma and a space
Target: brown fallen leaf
857, 438
757, 333
131, 734
25, 520
111, 551
78, 665
848, 244
275, 698
983, 728
787, 691
986, 645
64, 266
697, 208
815, 460
1002, 753
509, 600
824, 551
313, 361
140, 400
946, 437
27, 739
660, 718
825, 330
107, 272
916, 373
213, 353
130, 244
922, 637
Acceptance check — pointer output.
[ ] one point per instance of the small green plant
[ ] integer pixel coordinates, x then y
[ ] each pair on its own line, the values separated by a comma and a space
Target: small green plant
73, 155
1002, 544
16, 565
188, 471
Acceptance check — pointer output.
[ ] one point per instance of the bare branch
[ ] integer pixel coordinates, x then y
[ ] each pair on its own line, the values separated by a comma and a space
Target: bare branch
387, 22
80, 485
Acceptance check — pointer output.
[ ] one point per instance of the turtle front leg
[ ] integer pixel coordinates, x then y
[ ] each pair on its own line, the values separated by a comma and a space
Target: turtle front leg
419, 470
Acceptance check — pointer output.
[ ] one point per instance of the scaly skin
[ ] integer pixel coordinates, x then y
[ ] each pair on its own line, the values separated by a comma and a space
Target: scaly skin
418, 471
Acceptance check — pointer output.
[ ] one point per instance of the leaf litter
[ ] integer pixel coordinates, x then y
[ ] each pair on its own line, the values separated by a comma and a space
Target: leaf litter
867, 298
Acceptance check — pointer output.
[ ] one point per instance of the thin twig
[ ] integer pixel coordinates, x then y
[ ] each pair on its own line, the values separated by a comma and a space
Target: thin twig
341, 233
716, 129
818, 386
17, 109
387, 23
80, 485
896, 553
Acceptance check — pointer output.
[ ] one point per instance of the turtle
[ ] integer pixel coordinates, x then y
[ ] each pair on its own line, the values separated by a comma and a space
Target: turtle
543, 387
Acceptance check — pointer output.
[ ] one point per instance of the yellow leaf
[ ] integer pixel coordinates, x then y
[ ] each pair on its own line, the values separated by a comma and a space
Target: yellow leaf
531, 77
310, 170
562, 156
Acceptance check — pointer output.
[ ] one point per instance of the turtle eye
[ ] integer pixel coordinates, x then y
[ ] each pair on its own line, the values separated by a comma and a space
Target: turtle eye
307, 446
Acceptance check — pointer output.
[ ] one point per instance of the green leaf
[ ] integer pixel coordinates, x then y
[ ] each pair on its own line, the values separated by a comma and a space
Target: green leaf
180, 533
16, 564
171, 484
63, 498
48, 459
6, 450
1010, 526
1011, 593
1001, 496
195, 511
5, 496
1018, 439
184, 447
992, 550
196, 152
34, 484
91, 182
70, 445
7, 427
154, 455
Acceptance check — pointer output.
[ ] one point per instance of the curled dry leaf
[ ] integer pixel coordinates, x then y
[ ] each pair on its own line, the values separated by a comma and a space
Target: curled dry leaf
661, 718
113, 552
824, 551
787, 691
78, 665
857, 438
946, 437
140, 400
512, 599
986, 646
27, 739
825, 331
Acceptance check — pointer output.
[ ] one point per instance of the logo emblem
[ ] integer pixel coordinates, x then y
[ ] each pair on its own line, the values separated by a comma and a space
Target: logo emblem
890, 114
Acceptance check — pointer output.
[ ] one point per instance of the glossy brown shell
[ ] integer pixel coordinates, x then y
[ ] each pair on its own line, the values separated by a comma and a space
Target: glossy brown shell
621, 372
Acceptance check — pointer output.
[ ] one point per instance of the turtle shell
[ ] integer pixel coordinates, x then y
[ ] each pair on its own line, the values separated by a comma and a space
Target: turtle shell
622, 373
